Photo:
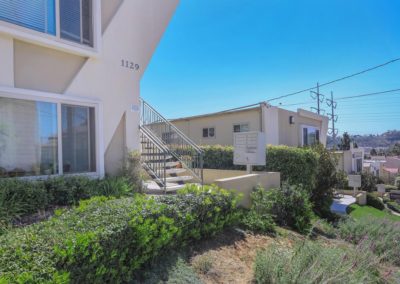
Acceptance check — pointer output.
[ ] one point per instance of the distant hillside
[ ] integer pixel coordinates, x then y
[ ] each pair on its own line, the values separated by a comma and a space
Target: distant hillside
387, 139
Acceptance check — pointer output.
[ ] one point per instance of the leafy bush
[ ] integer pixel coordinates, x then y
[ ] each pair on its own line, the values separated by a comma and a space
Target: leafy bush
219, 157
374, 201
23, 197
389, 187
256, 219
107, 240
383, 235
313, 262
326, 179
289, 206
394, 206
296, 165
397, 182
369, 182
132, 170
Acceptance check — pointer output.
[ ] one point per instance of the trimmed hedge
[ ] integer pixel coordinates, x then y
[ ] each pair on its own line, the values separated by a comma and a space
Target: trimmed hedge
394, 206
107, 240
296, 165
374, 201
23, 197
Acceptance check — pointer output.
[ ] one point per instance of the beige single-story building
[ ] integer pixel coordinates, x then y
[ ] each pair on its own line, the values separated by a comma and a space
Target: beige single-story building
281, 126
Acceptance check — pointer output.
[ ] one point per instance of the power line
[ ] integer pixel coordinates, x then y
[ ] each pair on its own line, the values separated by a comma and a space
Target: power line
337, 80
370, 94
348, 97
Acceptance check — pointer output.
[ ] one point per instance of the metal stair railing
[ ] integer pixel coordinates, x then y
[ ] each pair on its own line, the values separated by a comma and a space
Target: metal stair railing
154, 158
179, 145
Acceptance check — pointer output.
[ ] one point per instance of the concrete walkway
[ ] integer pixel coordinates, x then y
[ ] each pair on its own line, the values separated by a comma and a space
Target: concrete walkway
339, 206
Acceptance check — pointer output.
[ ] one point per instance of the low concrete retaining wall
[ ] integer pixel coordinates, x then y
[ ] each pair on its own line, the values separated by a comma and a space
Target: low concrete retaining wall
246, 183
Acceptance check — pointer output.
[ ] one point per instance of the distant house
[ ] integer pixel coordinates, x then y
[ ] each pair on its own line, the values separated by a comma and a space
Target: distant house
281, 127
350, 161
387, 168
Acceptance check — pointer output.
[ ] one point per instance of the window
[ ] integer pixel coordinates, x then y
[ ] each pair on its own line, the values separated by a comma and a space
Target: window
310, 135
30, 138
38, 15
78, 148
75, 21
241, 127
209, 132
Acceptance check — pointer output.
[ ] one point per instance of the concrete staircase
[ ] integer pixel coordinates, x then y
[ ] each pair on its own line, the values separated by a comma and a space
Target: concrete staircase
169, 157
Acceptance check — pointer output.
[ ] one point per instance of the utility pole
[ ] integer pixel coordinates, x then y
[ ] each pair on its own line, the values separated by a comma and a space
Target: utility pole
332, 117
319, 97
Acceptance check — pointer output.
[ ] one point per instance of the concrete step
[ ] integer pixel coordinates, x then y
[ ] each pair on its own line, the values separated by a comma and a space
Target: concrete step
175, 171
156, 161
179, 179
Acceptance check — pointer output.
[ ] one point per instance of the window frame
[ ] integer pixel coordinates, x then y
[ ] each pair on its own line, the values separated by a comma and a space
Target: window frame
59, 100
208, 132
241, 124
317, 130
55, 41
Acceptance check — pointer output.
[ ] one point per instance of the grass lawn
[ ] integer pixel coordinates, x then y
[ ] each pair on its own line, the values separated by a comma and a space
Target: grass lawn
359, 212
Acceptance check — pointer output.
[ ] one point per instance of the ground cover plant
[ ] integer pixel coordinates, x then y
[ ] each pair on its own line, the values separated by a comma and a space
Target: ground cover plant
107, 240
314, 262
382, 235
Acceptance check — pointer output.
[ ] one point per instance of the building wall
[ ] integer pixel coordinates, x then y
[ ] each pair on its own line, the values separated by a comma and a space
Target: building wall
131, 31
223, 124
273, 121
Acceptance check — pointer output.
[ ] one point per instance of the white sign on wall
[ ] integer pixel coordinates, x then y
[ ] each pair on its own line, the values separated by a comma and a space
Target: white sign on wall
355, 181
249, 148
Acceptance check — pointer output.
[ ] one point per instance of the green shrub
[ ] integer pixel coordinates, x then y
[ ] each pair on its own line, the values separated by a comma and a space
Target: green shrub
289, 206
107, 240
374, 201
132, 170
382, 234
296, 165
313, 262
219, 157
326, 179
394, 206
369, 182
397, 182
389, 187
257, 222
21, 197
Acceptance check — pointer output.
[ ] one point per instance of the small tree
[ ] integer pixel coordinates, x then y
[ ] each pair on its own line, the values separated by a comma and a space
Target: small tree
345, 142
395, 149
322, 194
373, 152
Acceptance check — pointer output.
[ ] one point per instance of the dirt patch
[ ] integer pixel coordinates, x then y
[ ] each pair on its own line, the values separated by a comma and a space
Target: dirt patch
229, 258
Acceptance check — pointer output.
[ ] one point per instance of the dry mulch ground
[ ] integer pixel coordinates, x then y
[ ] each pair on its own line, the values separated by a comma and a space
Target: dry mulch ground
229, 257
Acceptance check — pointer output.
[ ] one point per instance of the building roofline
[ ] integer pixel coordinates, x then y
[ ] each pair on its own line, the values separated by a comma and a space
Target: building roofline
230, 111
252, 107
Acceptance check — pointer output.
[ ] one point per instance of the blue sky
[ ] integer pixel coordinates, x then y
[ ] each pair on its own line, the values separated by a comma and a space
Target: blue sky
220, 54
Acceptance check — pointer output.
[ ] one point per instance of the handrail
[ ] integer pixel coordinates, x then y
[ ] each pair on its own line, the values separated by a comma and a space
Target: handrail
183, 135
177, 143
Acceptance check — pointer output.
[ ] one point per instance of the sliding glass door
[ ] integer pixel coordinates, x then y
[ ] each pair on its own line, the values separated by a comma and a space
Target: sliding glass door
78, 139
30, 138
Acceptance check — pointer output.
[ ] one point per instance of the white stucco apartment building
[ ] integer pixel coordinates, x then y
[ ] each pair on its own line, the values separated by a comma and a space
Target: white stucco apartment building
70, 74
